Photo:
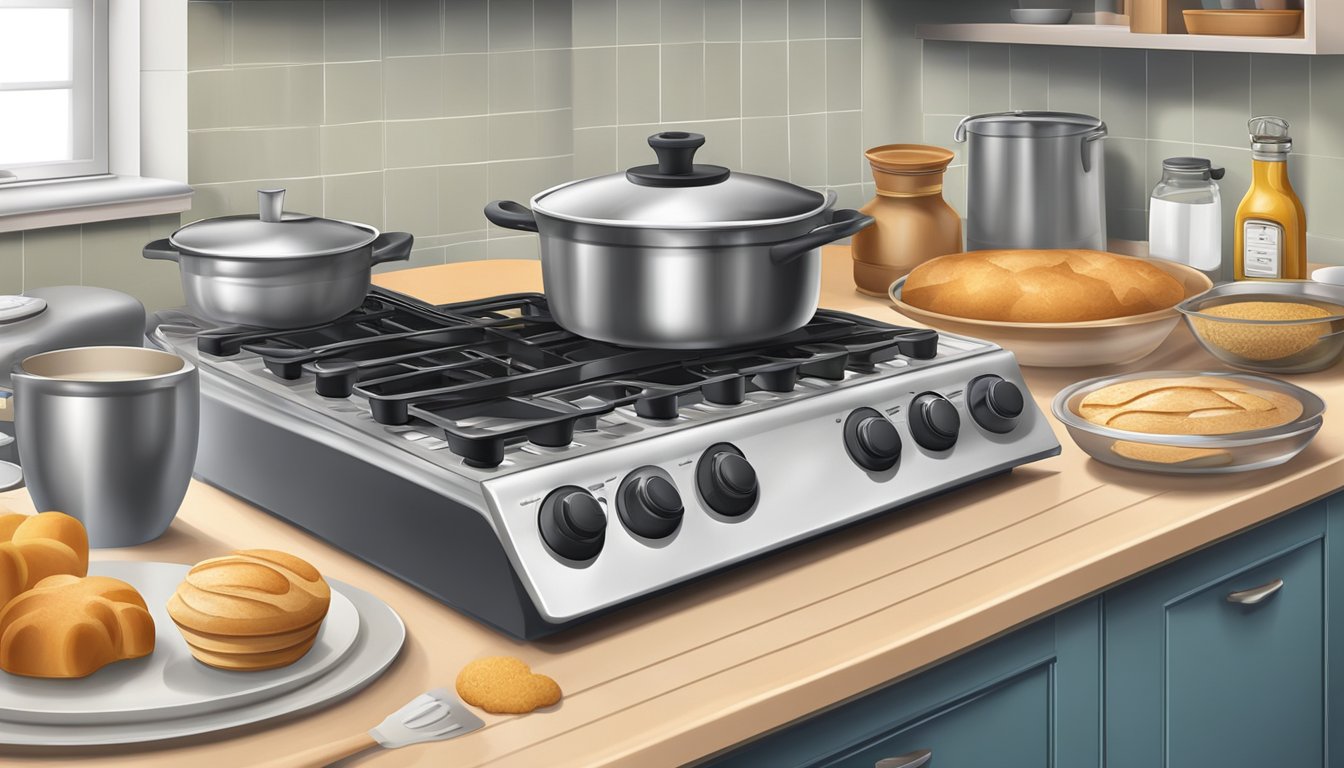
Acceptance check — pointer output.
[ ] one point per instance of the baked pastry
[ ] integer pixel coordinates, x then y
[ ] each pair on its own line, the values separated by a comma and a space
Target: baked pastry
250, 610
1197, 405
68, 626
505, 685
33, 547
1203, 458
1060, 286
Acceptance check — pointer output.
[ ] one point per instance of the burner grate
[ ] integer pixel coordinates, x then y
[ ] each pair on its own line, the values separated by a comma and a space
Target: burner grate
497, 371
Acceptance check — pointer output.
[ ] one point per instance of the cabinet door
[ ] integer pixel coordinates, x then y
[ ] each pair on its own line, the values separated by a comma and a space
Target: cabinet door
1028, 700
1204, 670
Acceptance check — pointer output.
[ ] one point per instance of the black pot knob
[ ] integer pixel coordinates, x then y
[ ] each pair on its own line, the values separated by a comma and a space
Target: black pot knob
995, 403
934, 421
872, 440
649, 504
726, 480
572, 523
676, 165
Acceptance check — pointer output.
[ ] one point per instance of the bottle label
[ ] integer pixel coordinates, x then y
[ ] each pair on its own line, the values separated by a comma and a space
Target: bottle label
1262, 254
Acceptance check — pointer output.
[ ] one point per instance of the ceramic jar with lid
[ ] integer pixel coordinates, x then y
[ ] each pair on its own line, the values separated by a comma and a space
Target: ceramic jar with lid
914, 222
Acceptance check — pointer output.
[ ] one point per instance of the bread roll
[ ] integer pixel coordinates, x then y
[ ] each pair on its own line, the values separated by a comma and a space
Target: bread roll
68, 626
33, 547
1063, 286
1198, 405
250, 610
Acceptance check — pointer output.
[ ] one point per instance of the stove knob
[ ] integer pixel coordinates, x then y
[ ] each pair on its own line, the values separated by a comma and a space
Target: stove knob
726, 480
649, 503
934, 421
572, 523
994, 402
872, 440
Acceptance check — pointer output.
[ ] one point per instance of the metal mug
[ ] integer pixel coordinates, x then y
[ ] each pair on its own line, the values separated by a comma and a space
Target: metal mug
108, 435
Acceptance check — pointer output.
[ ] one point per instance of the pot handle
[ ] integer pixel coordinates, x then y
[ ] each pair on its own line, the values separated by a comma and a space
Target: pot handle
1093, 135
160, 250
511, 215
959, 135
392, 246
844, 222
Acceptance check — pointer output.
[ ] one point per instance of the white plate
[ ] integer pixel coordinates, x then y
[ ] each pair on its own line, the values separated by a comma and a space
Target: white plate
379, 640
168, 682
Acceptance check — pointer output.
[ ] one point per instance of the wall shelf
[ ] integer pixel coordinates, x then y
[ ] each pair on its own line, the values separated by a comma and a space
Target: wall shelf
1323, 26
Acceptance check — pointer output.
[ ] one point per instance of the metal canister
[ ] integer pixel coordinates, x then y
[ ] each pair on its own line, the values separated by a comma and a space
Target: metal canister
1035, 180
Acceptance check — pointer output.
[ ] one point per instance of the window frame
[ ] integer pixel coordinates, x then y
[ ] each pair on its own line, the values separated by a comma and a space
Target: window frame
88, 86
147, 130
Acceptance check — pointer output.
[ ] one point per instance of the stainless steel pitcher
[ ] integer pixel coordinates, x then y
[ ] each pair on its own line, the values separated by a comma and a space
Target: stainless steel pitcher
108, 435
1035, 180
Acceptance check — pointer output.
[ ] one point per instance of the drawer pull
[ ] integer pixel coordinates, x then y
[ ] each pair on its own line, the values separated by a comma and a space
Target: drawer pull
1255, 595
912, 760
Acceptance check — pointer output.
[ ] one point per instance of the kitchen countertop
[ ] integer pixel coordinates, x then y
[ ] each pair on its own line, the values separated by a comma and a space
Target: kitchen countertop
683, 675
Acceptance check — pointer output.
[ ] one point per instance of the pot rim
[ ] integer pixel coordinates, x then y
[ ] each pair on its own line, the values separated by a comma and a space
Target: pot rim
828, 202
372, 233
185, 368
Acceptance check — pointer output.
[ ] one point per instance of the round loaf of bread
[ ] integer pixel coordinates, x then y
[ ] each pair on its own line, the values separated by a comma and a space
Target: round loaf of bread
1053, 286
250, 610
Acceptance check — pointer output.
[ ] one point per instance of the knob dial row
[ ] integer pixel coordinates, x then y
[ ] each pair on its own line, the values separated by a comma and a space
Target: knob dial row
573, 523
872, 440
726, 480
649, 504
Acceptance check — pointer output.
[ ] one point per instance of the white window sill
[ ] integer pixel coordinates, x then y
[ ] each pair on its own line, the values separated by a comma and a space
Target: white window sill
80, 201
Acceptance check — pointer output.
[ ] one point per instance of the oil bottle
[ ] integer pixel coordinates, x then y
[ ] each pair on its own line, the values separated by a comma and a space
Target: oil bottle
1271, 228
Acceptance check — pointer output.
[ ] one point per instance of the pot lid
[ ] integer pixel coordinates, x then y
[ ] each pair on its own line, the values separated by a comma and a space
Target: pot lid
677, 192
272, 233
1029, 125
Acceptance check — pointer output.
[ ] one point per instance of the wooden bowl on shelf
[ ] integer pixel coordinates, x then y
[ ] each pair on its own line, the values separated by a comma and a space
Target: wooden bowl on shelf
1245, 23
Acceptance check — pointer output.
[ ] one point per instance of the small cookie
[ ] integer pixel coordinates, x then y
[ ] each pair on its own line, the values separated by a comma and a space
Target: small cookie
504, 685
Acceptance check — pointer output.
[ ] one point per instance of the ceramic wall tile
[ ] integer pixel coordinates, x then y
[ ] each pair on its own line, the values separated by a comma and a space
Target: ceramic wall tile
352, 30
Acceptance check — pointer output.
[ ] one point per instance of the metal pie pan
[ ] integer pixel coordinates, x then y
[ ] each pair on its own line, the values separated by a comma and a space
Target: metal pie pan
1197, 454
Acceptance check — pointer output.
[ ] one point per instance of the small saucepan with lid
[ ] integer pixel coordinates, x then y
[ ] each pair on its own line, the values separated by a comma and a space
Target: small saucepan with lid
277, 269
680, 255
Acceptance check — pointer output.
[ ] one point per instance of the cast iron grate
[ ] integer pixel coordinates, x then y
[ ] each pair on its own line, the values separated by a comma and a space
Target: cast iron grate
497, 371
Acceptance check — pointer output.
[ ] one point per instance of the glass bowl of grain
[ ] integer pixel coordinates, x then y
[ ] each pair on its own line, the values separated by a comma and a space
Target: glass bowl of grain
1275, 326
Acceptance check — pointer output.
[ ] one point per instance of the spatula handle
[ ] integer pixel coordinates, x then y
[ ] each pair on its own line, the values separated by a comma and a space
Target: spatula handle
325, 754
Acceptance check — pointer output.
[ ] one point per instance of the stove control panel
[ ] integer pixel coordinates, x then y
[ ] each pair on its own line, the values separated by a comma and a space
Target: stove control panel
604, 527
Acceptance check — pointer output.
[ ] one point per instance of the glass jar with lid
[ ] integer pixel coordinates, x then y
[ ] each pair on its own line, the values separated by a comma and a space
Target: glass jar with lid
1185, 220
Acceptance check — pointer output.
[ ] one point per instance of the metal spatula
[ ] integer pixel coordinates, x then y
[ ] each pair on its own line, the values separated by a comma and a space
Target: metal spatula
432, 716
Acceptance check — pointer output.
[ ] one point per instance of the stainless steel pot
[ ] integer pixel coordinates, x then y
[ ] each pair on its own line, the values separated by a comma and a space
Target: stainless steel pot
1035, 180
679, 255
108, 435
277, 269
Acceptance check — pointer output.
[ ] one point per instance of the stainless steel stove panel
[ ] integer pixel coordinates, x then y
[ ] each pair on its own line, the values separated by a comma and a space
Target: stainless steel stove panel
809, 485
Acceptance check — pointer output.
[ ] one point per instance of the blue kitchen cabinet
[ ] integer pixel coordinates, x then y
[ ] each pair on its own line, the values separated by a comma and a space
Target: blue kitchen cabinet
1163, 671
1220, 658
1028, 700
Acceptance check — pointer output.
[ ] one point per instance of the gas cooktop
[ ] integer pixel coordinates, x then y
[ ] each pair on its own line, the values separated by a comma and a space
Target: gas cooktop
532, 478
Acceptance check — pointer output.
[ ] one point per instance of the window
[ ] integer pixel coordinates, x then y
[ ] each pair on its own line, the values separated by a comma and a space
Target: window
53, 89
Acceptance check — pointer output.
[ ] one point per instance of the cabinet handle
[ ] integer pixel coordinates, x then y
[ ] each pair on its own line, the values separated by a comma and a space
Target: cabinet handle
912, 760
1255, 595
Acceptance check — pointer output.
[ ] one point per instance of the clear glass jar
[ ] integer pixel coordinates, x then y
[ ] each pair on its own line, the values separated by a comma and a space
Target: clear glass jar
1185, 220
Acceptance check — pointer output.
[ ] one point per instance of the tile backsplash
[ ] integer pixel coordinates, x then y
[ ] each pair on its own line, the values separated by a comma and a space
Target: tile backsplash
1158, 104
411, 114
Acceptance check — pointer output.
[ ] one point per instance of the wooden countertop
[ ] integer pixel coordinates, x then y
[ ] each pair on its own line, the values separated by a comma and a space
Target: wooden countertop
687, 674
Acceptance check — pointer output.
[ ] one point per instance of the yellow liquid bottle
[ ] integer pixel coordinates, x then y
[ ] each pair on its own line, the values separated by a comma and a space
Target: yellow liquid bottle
1271, 229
